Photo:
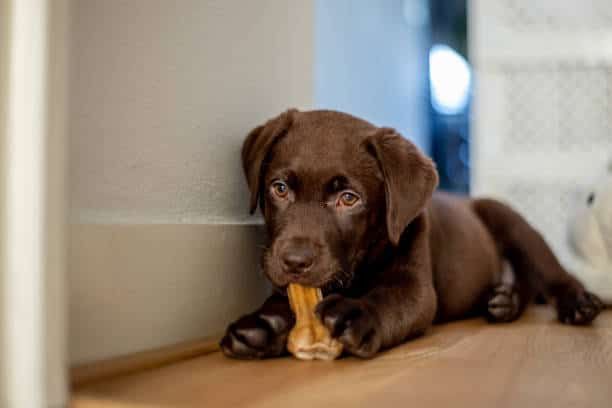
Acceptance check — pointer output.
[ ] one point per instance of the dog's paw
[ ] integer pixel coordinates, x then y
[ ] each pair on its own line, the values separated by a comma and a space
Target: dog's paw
577, 306
503, 304
352, 323
256, 336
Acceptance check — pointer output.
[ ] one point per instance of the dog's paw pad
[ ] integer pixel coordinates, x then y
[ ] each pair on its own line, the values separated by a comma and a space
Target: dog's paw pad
503, 304
236, 345
579, 308
256, 336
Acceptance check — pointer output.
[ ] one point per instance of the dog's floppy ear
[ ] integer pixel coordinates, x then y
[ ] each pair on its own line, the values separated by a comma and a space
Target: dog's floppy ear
256, 148
410, 178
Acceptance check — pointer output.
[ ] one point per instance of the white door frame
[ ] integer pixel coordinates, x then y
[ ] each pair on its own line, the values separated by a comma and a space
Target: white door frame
33, 47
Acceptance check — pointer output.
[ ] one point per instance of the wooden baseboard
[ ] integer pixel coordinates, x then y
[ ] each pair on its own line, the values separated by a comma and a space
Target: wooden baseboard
85, 374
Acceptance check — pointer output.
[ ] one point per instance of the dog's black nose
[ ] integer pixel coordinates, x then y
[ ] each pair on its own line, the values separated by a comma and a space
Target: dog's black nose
298, 258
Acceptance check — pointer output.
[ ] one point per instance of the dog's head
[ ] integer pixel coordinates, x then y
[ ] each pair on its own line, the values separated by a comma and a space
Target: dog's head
330, 186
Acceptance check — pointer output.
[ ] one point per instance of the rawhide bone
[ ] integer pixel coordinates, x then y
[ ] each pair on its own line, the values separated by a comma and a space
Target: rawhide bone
309, 339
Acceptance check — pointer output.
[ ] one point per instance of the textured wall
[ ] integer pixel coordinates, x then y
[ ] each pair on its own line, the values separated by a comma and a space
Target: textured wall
163, 92
162, 96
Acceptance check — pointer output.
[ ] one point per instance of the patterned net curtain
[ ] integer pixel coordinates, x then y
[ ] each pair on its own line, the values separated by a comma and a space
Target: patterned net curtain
543, 105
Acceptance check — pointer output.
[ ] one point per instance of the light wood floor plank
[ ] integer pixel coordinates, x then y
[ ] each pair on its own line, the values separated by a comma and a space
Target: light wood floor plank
534, 362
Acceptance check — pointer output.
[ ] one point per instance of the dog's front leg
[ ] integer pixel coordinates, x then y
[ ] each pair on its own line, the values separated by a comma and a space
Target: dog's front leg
401, 304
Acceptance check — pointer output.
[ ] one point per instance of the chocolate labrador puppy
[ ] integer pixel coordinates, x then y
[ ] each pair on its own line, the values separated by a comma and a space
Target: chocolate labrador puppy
350, 208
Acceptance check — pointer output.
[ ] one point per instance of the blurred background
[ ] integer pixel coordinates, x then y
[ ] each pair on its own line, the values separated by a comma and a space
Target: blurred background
402, 64
123, 201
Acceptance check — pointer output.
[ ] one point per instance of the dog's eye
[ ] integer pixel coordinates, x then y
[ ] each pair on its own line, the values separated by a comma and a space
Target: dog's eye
280, 188
348, 199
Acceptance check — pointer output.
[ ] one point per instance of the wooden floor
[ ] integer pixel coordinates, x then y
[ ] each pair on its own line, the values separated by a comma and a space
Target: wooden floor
535, 362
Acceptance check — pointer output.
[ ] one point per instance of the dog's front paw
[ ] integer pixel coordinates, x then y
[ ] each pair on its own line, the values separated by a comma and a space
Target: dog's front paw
577, 306
352, 323
257, 335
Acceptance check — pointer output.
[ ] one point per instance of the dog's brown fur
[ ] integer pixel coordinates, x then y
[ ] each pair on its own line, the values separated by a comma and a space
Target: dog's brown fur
396, 260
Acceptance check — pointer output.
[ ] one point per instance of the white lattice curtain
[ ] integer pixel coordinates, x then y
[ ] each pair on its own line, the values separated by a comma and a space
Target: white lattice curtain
543, 104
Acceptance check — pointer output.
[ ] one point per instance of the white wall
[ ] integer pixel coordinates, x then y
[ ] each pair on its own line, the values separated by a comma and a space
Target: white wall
371, 61
162, 95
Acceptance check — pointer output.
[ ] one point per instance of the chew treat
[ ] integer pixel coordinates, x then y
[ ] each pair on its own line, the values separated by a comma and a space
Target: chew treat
309, 339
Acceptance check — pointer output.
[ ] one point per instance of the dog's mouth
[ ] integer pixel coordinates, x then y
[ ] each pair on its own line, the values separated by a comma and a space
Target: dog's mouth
327, 287
328, 284
335, 285
330, 279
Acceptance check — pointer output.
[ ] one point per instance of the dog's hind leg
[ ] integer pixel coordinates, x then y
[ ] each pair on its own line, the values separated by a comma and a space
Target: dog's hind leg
535, 267
505, 301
